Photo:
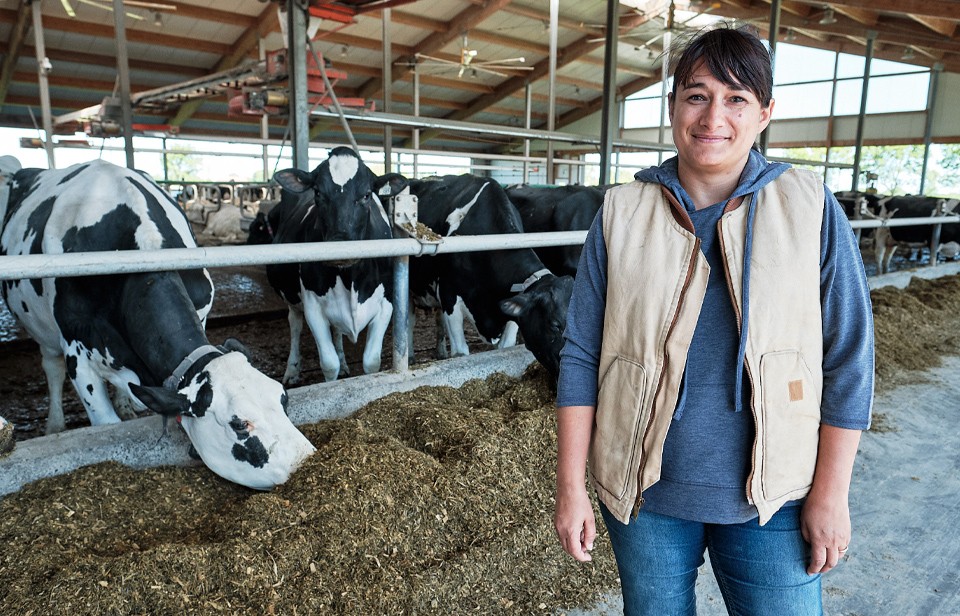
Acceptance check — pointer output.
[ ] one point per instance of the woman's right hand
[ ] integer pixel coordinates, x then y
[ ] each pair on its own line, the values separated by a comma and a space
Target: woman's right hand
575, 522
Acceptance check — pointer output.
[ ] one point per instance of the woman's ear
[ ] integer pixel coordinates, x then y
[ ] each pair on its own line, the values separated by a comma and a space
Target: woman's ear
670, 106
766, 115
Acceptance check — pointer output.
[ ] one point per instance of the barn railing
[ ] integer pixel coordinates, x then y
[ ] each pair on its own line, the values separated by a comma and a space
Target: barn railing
13, 267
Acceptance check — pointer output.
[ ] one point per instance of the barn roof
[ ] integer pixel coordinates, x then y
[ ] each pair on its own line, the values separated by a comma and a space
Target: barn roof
466, 52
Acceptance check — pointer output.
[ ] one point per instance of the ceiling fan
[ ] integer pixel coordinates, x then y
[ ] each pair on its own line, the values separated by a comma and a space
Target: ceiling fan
152, 6
468, 62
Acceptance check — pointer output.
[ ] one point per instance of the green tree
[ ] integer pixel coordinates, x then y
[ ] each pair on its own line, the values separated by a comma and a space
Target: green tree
183, 166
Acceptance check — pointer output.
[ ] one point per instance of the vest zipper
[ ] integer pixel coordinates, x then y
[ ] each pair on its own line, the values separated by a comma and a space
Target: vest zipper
736, 309
653, 408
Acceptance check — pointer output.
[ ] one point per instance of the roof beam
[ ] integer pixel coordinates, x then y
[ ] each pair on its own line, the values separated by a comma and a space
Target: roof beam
14, 49
945, 27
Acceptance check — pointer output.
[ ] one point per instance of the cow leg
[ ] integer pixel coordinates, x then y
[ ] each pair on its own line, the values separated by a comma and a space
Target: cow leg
341, 356
888, 258
55, 370
443, 340
453, 328
93, 393
375, 333
330, 356
295, 318
509, 336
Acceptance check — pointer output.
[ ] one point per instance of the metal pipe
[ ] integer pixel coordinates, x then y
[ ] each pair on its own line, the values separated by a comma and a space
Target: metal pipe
528, 106
43, 67
416, 113
552, 93
773, 34
297, 74
123, 73
264, 120
14, 267
401, 313
387, 91
928, 127
868, 58
608, 128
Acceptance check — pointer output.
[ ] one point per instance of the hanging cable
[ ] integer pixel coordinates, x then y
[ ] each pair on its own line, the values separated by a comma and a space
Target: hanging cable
333, 97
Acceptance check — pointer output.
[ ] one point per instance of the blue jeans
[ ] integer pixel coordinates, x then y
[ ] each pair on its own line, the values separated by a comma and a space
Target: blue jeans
761, 570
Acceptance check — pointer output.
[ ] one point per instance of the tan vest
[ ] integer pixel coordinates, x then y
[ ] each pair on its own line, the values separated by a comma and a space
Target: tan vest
656, 281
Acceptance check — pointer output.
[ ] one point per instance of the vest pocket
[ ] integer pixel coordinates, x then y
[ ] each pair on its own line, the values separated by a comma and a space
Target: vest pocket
790, 422
621, 415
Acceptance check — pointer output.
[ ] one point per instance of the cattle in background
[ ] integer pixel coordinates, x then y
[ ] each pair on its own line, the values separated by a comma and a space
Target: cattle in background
887, 239
557, 208
6, 437
141, 333
337, 201
498, 290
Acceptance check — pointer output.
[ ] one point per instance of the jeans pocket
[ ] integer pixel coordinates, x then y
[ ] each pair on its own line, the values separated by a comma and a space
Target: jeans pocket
789, 421
620, 418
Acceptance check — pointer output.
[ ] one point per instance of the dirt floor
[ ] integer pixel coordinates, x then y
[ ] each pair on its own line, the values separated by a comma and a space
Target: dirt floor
436, 501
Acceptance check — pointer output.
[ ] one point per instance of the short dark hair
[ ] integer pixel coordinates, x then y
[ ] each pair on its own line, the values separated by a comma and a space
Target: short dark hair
735, 56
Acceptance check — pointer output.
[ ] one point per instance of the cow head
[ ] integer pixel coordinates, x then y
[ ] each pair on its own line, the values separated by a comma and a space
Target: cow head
541, 313
236, 419
346, 194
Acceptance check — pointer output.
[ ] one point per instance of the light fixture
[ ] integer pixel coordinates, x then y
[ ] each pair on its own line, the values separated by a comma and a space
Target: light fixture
576, 90
791, 36
907, 53
828, 17
158, 19
343, 51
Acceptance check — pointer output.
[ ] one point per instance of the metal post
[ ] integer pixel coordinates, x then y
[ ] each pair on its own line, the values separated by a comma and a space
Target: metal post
297, 67
123, 72
43, 67
608, 114
871, 37
528, 100
166, 168
664, 93
551, 105
833, 108
264, 123
387, 92
928, 128
774, 32
416, 113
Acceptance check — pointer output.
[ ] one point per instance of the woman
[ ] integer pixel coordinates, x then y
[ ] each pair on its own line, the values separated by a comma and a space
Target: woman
718, 364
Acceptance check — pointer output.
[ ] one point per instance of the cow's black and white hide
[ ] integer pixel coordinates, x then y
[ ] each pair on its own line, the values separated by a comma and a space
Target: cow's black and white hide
914, 237
496, 290
142, 333
557, 208
337, 201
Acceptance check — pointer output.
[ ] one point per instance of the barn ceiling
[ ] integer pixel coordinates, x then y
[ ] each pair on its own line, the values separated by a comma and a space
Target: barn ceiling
466, 52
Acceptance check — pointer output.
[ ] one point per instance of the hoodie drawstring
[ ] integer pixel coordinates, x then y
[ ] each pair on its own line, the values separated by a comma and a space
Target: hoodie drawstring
741, 352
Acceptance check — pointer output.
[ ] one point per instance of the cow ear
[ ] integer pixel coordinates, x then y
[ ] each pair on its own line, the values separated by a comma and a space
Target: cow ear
232, 344
515, 306
390, 185
161, 400
294, 180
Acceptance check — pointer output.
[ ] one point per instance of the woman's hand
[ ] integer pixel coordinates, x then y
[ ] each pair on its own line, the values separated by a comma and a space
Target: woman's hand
575, 522
825, 518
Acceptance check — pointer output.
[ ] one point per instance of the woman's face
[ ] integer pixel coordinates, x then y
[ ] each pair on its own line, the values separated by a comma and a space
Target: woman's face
715, 125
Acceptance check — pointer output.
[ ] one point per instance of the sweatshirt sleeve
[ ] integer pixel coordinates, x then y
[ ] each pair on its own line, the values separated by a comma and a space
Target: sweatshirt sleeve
580, 356
848, 335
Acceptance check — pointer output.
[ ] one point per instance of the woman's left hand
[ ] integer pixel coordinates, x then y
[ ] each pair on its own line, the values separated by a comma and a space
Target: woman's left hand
825, 524
825, 518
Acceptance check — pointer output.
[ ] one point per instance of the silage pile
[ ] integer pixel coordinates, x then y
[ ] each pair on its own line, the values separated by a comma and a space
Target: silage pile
438, 501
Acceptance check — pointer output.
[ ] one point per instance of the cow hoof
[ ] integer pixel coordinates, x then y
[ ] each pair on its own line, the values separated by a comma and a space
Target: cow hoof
6, 439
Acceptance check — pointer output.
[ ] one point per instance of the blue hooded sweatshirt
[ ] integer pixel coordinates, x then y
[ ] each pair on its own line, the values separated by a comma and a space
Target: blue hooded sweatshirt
707, 452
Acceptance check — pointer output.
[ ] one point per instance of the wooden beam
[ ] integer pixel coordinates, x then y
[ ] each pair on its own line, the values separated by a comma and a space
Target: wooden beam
863, 16
945, 27
14, 48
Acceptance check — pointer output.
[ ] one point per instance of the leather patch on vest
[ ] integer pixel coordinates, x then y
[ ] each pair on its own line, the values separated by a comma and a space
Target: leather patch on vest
796, 390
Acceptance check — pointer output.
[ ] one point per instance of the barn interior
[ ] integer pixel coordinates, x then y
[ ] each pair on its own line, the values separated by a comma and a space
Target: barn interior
501, 82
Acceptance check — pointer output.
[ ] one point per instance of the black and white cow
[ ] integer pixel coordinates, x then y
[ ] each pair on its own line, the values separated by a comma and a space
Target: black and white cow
557, 208
141, 333
887, 239
339, 200
6, 437
497, 290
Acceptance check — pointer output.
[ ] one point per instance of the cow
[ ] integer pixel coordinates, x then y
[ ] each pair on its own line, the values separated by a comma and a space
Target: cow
499, 290
6, 437
141, 333
339, 200
887, 239
557, 208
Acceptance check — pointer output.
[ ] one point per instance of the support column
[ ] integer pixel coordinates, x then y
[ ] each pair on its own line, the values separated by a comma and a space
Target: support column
552, 104
43, 67
123, 72
297, 67
774, 32
608, 115
387, 93
928, 127
871, 38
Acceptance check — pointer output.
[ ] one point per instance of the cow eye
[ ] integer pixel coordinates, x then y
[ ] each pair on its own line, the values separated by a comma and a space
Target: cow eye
241, 426
366, 196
